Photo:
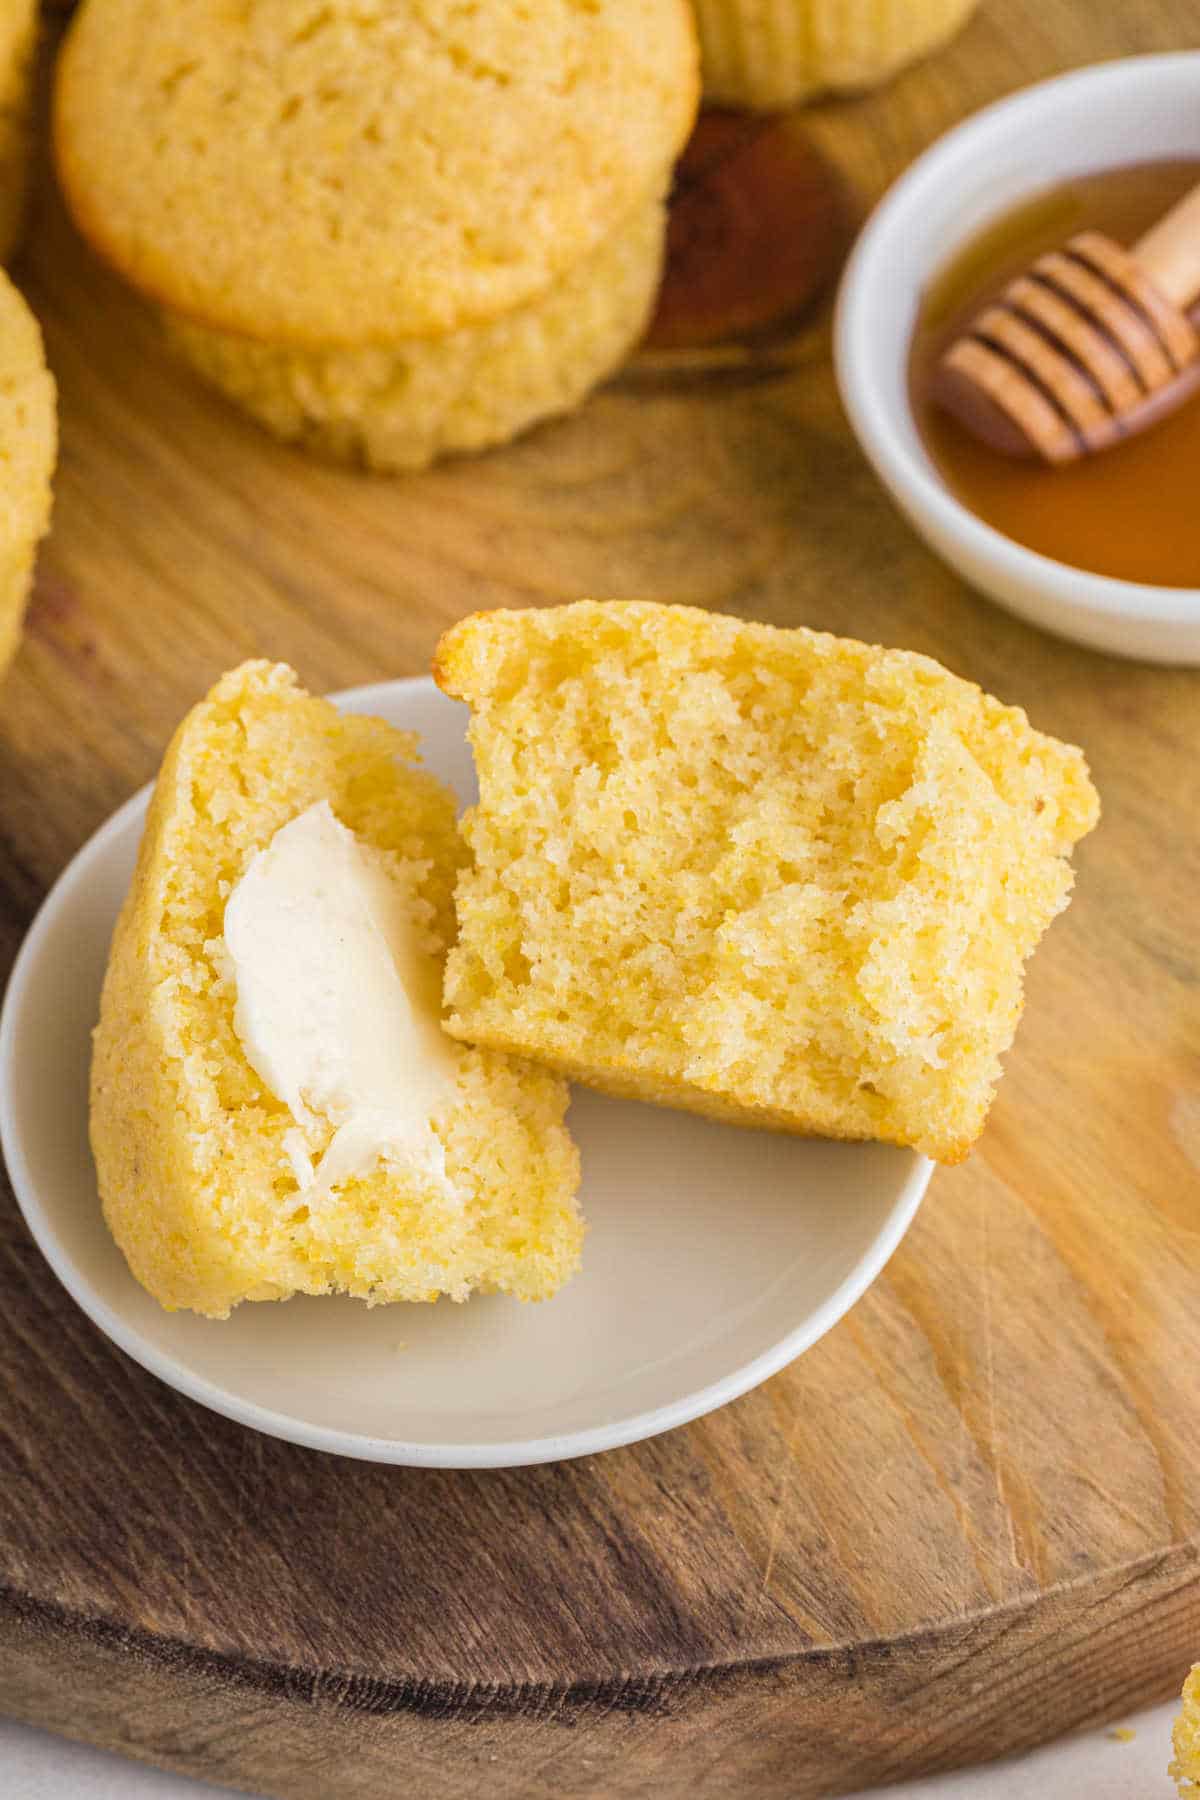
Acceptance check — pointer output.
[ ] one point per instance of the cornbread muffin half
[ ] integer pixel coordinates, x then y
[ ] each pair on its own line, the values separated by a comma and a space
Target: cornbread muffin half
218, 1189
18, 37
28, 445
778, 877
1185, 1767
387, 227
772, 53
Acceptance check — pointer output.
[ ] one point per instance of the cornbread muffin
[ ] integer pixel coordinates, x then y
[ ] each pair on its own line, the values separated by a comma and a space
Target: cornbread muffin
196, 1157
18, 35
771, 53
1185, 1768
388, 227
778, 877
28, 443
398, 406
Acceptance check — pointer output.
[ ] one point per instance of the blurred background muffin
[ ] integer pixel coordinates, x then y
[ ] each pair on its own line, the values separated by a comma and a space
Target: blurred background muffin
28, 434
387, 229
771, 53
18, 30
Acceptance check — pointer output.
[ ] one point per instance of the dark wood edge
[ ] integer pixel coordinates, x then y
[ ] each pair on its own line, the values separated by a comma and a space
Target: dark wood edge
797, 1727
635, 1693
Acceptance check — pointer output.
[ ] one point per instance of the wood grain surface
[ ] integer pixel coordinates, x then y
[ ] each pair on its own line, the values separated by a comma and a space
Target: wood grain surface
968, 1518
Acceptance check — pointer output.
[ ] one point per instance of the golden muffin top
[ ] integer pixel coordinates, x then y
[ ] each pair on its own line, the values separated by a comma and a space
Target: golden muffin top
321, 172
28, 431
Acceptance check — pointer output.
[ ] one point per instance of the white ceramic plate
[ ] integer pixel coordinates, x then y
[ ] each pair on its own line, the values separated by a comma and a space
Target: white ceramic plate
715, 1256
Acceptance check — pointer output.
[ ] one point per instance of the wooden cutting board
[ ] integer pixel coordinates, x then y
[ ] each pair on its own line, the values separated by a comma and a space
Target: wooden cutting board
965, 1521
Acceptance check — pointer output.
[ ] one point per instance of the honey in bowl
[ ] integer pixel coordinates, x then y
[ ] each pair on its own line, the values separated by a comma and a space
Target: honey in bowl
1132, 511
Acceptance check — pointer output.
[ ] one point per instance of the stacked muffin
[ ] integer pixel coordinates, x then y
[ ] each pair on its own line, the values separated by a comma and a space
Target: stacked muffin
771, 53
387, 230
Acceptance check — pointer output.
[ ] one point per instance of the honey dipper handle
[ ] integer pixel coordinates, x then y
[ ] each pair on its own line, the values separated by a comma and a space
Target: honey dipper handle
1169, 253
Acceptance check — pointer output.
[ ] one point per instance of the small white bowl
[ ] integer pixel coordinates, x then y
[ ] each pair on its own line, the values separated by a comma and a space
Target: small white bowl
714, 1256
1119, 112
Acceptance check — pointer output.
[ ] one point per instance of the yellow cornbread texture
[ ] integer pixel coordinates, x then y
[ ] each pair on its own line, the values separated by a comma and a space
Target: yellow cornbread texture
778, 877
28, 442
344, 172
1185, 1768
398, 406
189, 1145
771, 53
18, 30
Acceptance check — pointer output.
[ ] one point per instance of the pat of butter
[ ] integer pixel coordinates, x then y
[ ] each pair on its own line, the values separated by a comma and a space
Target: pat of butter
338, 1003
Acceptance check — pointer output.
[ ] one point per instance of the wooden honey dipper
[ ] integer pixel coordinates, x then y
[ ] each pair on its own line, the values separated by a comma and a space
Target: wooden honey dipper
1092, 345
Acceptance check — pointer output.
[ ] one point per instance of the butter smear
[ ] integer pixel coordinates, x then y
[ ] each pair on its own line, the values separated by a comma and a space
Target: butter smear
338, 1003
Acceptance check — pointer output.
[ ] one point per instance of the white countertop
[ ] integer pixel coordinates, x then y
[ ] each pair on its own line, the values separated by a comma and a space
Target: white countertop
35, 1766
